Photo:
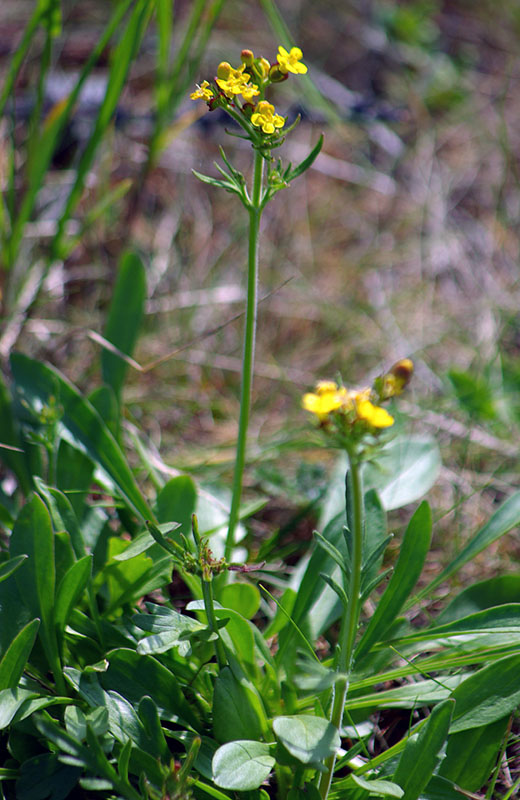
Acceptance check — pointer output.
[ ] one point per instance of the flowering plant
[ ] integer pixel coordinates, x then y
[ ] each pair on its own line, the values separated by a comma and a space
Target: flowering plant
241, 92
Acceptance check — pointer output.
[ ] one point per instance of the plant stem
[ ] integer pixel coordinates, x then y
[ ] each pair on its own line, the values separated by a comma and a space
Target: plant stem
350, 620
248, 358
206, 581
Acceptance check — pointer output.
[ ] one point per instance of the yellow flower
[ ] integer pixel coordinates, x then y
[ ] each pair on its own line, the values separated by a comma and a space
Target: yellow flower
290, 62
235, 80
376, 416
326, 398
203, 92
249, 91
265, 118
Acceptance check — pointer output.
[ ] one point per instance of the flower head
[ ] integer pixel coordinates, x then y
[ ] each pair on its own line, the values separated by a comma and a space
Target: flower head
264, 117
235, 81
327, 397
291, 61
375, 416
203, 92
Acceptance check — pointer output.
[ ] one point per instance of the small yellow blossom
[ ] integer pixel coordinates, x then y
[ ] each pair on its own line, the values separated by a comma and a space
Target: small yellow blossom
236, 80
291, 62
203, 92
249, 91
376, 416
265, 118
326, 398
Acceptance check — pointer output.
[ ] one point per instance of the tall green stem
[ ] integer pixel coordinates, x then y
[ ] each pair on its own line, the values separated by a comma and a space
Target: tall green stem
350, 620
248, 358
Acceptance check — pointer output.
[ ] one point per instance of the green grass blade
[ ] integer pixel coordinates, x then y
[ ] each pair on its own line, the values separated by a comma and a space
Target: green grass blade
124, 319
15, 658
123, 56
71, 587
419, 758
18, 57
81, 425
49, 134
507, 516
407, 571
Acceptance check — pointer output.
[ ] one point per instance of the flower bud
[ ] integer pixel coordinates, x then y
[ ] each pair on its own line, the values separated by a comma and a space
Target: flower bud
402, 371
263, 66
247, 57
224, 70
276, 75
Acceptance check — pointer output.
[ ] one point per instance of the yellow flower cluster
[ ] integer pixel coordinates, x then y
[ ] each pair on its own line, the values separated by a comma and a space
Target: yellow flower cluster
329, 397
355, 412
237, 88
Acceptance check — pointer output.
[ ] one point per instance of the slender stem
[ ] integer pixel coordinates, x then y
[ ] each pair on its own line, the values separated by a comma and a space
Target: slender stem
206, 581
350, 620
255, 212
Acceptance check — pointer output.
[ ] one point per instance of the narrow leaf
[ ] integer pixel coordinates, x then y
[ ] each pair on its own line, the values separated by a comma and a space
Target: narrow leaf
16, 656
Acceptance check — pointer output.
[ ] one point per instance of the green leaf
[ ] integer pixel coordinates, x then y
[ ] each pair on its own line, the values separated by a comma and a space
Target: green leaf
74, 471
309, 739
413, 695
507, 516
71, 587
420, 756
132, 675
501, 590
170, 629
242, 765
472, 754
176, 502
407, 571
80, 424
62, 515
487, 695
33, 536
405, 469
124, 319
241, 597
380, 788
17, 654
44, 777
499, 620
237, 710
149, 716
128, 581
10, 566
307, 162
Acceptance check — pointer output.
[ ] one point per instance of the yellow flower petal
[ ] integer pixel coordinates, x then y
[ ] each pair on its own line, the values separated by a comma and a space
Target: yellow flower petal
375, 415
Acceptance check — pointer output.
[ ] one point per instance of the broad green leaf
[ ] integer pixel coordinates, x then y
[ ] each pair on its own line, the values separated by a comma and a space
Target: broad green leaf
149, 716
128, 581
10, 566
74, 471
104, 400
241, 597
132, 675
70, 590
124, 319
405, 469
380, 788
472, 754
237, 710
170, 629
442, 789
420, 756
502, 590
407, 571
309, 739
17, 702
44, 776
62, 515
12, 663
507, 516
176, 502
242, 765
14, 613
33, 535
80, 424
487, 695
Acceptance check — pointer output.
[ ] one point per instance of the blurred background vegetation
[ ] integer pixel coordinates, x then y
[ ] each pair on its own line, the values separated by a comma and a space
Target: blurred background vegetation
402, 240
